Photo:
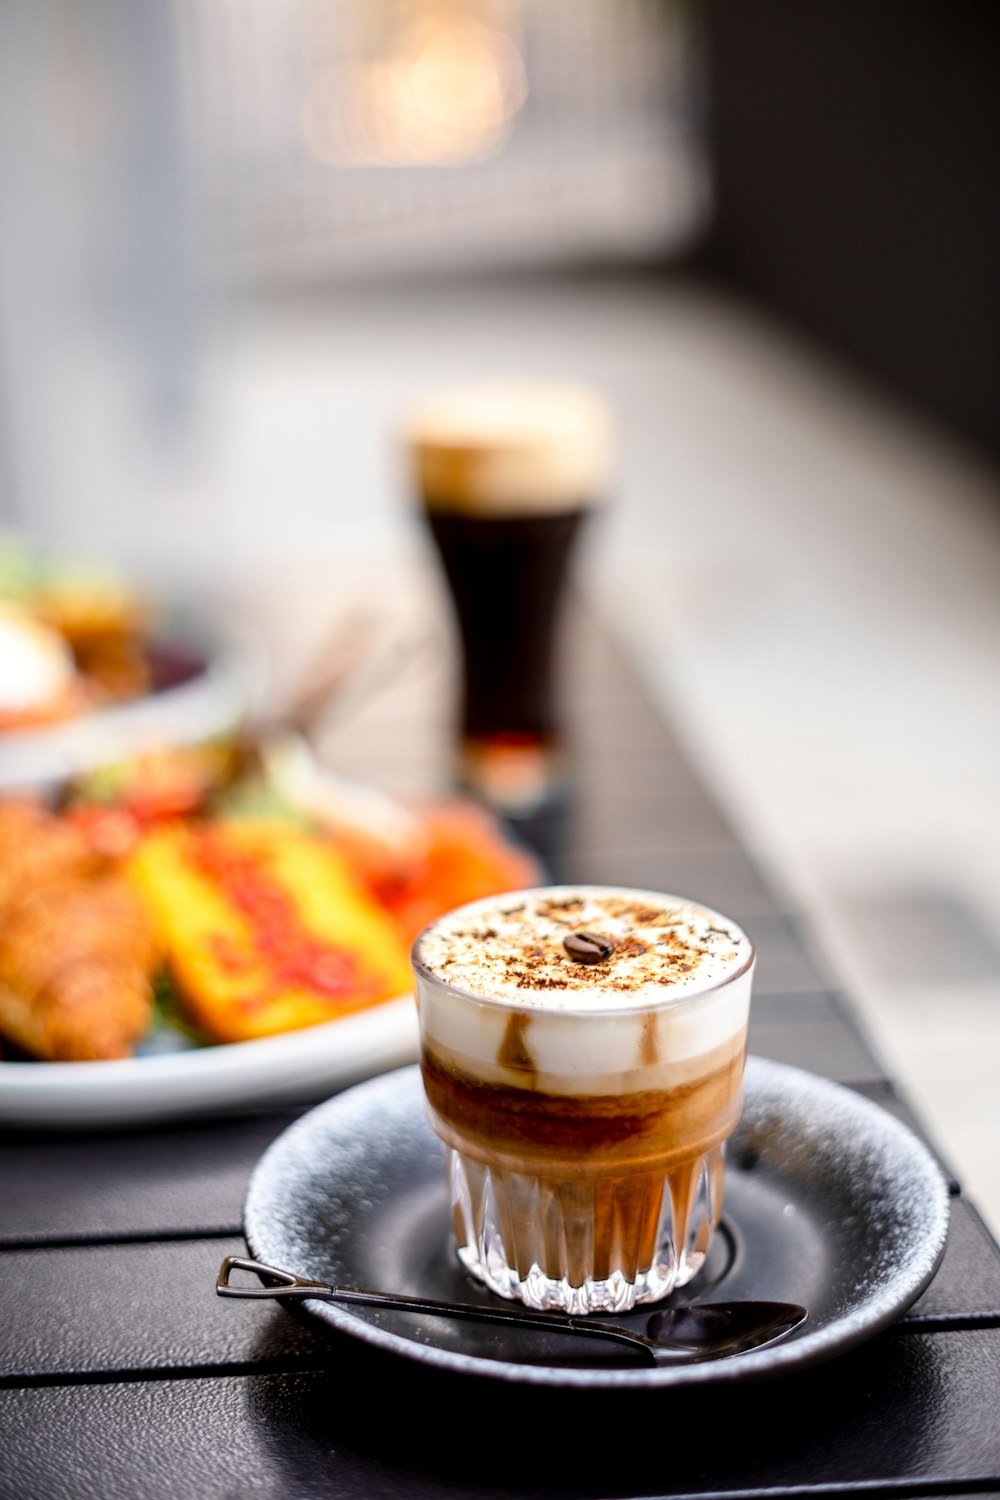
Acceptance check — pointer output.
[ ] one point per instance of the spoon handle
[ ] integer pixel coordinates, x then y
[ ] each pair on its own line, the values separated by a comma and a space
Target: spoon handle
286, 1286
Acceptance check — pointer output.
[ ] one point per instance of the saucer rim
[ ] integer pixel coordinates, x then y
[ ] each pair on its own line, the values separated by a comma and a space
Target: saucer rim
766, 1082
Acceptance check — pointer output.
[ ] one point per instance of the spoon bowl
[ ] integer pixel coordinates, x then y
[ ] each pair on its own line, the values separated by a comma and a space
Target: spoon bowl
677, 1335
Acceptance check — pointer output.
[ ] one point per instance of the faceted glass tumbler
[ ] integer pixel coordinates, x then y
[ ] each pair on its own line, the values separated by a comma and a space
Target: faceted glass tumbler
584, 1146
589, 1244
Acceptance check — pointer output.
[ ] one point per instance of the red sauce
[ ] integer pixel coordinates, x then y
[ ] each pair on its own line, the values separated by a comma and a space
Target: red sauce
295, 957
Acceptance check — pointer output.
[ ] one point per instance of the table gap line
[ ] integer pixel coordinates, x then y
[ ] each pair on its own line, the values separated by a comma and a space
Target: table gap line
139, 1375
946, 1322
125, 1237
322, 1360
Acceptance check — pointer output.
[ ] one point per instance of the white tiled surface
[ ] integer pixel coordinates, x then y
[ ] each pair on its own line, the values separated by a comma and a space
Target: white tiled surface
810, 582
817, 599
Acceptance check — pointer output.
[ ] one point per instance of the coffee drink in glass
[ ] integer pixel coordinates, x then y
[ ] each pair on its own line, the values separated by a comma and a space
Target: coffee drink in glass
506, 475
582, 1053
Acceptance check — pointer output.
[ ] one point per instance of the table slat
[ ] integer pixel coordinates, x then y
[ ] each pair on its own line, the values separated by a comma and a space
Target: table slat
181, 1180
905, 1410
152, 1307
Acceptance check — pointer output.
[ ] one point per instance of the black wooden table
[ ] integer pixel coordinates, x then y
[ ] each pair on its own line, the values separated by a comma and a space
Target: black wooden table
124, 1375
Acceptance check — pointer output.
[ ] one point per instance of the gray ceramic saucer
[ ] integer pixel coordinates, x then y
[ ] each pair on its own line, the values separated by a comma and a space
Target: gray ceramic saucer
830, 1202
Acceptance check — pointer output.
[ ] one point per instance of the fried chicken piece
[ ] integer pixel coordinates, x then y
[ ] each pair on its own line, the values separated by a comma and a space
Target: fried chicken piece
77, 946
76, 962
37, 848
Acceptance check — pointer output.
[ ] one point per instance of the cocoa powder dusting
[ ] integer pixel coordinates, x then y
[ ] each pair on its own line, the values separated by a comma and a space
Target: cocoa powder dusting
555, 943
561, 911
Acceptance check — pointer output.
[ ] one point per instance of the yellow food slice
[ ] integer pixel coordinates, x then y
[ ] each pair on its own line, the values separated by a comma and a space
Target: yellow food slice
265, 928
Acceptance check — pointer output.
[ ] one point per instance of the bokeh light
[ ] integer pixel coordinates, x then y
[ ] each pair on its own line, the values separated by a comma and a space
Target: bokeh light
445, 91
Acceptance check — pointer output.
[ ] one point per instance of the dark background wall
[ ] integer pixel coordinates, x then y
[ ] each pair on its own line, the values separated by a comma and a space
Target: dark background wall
855, 146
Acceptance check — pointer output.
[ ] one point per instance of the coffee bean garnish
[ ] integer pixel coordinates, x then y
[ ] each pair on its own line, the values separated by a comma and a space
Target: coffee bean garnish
588, 947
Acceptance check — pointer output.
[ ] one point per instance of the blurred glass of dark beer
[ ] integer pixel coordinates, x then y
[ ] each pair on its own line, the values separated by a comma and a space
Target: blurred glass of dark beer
506, 475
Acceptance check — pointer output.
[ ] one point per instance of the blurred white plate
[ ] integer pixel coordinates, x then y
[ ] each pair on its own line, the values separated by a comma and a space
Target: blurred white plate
293, 1067
219, 669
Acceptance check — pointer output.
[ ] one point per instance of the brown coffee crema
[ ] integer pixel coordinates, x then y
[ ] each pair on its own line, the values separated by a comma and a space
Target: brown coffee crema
529, 1130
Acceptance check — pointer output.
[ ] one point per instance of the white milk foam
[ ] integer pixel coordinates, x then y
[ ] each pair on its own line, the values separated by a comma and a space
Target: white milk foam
676, 987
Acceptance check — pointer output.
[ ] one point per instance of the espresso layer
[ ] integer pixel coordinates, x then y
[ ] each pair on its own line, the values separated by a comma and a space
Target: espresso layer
527, 1130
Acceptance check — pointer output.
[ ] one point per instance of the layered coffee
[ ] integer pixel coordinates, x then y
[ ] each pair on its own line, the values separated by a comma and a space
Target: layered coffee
582, 1053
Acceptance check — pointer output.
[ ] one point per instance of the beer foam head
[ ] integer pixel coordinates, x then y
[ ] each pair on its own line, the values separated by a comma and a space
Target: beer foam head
510, 449
518, 949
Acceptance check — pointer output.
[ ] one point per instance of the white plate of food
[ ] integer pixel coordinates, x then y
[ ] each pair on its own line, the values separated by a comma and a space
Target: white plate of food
204, 677
154, 966
295, 1067
95, 665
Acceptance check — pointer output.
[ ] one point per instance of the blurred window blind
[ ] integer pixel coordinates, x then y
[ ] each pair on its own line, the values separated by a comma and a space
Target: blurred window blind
335, 136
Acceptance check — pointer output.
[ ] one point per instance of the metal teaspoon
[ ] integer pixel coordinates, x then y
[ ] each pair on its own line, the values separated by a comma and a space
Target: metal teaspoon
711, 1330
